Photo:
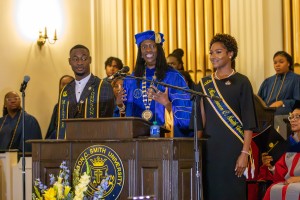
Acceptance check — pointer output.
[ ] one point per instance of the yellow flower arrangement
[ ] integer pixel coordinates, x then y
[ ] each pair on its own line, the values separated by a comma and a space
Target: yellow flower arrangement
61, 189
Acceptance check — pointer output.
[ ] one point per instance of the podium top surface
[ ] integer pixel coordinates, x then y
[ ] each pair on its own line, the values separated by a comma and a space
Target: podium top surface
107, 128
113, 119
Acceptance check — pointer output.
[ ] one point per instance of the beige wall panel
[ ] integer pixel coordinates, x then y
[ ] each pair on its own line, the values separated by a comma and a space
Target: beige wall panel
154, 15
199, 68
287, 26
218, 16
96, 36
121, 32
226, 16
172, 13
296, 30
191, 38
129, 39
181, 26
208, 29
137, 16
256, 27
249, 10
146, 15
137, 22
163, 23
272, 34
106, 36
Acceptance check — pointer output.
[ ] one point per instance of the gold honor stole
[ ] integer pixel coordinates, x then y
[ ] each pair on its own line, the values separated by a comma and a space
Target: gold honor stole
90, 110
226, 114
222, 109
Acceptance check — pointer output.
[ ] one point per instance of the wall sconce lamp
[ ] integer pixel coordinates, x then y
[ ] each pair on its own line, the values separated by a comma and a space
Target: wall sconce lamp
43, 38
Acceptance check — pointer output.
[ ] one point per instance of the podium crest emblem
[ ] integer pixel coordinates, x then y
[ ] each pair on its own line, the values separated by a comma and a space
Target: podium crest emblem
106, 170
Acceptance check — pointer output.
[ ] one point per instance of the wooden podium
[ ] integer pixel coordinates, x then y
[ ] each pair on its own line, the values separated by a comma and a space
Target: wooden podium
153, 166
264, 114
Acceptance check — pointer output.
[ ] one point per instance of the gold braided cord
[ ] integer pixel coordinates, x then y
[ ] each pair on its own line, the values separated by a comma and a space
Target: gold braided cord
15, 130
274, 87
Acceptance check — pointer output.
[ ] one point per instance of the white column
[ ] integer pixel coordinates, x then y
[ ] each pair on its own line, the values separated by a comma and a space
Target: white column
17, 179
7, 161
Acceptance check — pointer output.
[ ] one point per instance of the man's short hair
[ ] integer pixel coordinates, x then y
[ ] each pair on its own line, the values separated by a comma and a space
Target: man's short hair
79, 46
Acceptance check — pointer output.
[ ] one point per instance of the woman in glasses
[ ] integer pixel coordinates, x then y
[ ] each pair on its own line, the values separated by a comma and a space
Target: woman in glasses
11, 125
286, 172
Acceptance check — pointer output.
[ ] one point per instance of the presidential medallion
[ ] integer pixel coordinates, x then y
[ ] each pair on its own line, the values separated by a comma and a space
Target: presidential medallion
147, 115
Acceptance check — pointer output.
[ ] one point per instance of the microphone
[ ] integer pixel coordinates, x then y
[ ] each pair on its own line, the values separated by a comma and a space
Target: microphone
24, 84
124, 70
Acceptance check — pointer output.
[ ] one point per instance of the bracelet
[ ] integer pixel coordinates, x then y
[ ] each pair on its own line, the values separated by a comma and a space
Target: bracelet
122, 113
121, 109
246, 152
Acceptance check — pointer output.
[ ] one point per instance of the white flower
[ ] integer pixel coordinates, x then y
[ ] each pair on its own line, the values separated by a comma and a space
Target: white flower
82, 186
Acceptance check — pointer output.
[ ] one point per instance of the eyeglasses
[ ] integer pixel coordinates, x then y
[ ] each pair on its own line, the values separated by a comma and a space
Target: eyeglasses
76, 59
10, 99
146, 46
295, 117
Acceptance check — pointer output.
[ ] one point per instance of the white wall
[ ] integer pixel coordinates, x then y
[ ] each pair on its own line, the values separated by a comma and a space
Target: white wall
21, 56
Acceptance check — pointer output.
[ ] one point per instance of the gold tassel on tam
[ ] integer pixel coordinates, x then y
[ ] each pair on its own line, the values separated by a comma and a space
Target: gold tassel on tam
157, 38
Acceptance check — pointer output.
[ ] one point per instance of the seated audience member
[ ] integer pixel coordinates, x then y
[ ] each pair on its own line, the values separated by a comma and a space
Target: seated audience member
281, 90
175, 59
286, 172
64, 80
112, 65
167, 106
120, 96
11, 125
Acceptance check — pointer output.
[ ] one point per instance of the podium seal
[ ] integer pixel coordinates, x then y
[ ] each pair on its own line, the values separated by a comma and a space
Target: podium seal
107, 171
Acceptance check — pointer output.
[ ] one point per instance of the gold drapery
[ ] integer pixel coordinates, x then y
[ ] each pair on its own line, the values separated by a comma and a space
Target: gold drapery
186, 24
291, 28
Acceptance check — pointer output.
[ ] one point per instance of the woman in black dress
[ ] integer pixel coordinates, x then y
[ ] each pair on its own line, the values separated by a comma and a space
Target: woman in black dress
227, 123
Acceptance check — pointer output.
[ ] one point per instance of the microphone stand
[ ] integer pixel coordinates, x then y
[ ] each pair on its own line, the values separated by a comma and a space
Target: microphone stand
194, 98
23, 144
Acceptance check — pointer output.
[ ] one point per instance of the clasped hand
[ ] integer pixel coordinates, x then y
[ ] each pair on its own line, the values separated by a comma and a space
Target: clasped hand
157, 95
121, 96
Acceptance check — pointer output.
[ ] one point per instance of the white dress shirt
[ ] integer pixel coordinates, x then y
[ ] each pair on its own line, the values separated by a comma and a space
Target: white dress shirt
79, 86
